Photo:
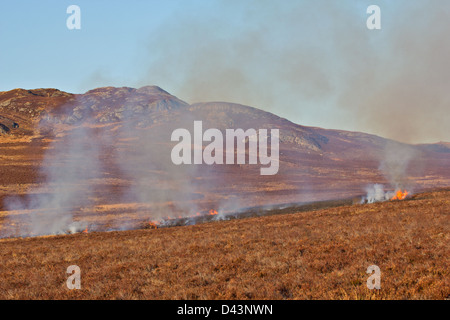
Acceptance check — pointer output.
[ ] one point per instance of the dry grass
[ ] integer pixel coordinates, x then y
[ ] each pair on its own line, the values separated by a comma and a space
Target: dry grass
320, 254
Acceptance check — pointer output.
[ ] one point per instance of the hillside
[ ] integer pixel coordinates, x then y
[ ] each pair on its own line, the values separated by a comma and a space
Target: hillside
102, 160
320, 254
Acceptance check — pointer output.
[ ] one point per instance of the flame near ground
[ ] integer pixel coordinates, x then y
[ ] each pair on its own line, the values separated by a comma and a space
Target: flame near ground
400, 195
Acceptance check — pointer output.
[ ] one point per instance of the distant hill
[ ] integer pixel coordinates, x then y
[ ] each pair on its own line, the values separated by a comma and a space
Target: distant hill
128, 133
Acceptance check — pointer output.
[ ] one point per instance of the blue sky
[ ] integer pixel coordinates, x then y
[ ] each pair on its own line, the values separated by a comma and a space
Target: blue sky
39, 50
313, 62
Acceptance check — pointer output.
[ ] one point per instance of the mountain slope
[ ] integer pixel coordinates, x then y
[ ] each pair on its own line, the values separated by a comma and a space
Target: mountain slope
105, 156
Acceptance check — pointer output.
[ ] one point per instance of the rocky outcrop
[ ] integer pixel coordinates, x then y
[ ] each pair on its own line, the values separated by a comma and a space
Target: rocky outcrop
4, 129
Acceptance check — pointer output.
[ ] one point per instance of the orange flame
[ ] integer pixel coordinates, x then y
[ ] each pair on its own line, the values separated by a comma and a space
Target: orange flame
153, 224
86, 230
212, 212
400, 195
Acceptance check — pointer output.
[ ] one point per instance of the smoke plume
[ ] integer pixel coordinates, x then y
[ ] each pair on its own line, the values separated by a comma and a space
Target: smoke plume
314, 62
396, 162
86, 160
70, 166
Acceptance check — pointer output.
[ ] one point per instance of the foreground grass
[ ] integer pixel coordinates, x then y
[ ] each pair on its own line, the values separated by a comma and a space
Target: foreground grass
322, 254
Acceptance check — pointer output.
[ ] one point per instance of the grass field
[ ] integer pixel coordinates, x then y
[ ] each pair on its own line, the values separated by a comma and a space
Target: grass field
319, 254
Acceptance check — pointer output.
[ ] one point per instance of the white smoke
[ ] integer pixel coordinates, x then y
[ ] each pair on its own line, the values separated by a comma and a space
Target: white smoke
168, 189
69, 166
396, 163
67, 175
376, 193
395, 167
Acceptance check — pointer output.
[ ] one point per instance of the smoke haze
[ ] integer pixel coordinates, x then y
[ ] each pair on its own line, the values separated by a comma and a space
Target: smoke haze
70, 166
314, 62
92, 156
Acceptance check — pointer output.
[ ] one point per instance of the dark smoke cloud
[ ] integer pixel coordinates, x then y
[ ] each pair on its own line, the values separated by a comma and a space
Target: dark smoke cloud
314, 62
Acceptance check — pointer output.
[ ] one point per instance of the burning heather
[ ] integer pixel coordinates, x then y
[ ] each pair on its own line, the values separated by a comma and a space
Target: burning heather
394, 166
376, 193
400, 195
112, 145
85, 145
104, 163
191, 219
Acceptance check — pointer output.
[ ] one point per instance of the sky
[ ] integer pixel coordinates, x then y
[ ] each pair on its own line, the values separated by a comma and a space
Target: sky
314, 62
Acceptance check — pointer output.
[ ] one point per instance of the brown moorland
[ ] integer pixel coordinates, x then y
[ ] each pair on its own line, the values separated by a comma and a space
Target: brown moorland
126, 137
320, 250
320, 254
